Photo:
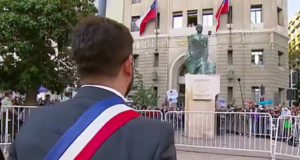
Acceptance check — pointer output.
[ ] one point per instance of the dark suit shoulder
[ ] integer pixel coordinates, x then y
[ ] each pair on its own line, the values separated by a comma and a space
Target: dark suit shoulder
148, 123
139, 139
164, 137
47, 124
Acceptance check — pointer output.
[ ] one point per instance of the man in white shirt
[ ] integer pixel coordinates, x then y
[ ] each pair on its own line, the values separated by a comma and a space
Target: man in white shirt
286, 112
284, 115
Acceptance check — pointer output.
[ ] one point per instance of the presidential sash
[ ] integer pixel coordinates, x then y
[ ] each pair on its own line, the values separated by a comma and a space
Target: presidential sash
91, 130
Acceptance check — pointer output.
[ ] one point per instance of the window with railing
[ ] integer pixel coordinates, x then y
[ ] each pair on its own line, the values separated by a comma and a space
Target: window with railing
207, 17
257, 57
256, 14
255, 94
177, 20
134, 27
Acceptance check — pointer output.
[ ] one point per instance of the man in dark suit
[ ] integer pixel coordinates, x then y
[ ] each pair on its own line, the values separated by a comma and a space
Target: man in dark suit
102, 49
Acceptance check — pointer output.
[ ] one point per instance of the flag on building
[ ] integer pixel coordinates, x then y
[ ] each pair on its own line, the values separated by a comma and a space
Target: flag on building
224, 8
149, 15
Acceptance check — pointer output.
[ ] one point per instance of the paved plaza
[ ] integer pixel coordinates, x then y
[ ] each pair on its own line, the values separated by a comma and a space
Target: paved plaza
230, 144
182, 155
229, 147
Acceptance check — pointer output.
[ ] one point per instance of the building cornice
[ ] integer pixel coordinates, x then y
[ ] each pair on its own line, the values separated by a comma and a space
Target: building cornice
224, 32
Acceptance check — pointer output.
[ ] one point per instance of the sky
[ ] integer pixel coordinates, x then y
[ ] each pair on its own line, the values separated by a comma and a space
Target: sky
293, 7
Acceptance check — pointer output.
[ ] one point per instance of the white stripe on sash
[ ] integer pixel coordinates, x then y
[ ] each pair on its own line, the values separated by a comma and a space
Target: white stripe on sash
81, 141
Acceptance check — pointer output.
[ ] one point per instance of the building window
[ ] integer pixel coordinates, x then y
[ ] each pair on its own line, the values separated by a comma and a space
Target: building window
229, 95
134, 27
158, 20
229, 16
255, 94
279, 16
192, 18
229, 57
281, 95
256, 14
136, 1
156, 60
207, 17
257, 57
280, 58
177, 20
155, 90
136, 60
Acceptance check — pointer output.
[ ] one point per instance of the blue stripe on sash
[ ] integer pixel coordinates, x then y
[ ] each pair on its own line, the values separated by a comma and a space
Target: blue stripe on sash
80, 125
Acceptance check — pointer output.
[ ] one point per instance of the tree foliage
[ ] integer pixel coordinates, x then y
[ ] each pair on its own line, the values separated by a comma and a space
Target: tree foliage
143, 95
34, 41
293, 57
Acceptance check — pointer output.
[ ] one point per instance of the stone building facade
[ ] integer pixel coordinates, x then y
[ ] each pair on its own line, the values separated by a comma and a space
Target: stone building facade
251, 45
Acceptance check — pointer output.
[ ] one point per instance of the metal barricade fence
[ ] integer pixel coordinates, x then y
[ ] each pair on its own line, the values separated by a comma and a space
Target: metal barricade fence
12, 118
153, 114
287, 136
223, 130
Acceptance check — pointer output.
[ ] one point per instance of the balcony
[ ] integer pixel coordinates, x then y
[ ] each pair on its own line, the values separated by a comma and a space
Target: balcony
257, 26
190, 30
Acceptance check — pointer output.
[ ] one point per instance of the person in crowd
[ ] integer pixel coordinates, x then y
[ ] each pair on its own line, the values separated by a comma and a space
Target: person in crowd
68, 96
7, 98
97, 115
12, 119
47, 101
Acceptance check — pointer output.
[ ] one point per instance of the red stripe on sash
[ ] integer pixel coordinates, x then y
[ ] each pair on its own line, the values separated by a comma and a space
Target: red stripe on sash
104, 133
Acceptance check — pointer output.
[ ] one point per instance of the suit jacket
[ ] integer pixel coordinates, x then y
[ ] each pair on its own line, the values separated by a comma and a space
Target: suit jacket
139, 139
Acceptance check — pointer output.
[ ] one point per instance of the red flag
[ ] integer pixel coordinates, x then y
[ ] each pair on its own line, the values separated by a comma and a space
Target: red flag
150, 14
224, 8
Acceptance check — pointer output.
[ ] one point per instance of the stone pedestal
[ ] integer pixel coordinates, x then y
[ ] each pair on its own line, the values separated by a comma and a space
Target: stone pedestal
200, 92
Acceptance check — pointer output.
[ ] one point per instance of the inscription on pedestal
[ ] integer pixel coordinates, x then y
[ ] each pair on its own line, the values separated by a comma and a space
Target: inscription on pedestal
202, 89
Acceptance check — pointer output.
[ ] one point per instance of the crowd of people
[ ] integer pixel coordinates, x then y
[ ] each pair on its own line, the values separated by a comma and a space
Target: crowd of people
177, 119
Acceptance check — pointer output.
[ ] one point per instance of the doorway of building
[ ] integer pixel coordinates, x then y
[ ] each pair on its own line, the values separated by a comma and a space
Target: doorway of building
181, 87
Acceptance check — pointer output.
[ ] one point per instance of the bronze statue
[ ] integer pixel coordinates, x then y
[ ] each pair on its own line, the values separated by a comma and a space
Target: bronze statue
196, 60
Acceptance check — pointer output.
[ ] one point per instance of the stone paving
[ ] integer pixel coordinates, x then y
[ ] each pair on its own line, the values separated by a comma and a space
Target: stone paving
250, 148
181, 155
230, 142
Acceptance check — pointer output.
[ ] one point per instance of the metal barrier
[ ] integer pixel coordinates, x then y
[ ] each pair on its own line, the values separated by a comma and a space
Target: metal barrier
287, 136
153, 114
12, 118
243, 131
223, 130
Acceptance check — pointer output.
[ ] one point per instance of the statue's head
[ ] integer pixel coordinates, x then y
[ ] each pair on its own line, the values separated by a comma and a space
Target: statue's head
199, 28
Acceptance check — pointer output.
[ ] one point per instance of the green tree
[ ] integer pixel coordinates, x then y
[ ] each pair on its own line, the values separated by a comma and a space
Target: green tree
34, 41
293, 54
143, 95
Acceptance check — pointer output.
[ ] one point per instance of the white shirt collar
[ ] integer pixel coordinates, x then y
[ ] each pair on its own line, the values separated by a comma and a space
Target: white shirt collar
106, 88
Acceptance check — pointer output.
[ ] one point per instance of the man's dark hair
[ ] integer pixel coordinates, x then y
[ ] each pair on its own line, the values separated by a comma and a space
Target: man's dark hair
100, 46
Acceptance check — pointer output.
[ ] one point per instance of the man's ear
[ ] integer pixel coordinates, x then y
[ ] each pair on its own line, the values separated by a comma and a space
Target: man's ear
128, 65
